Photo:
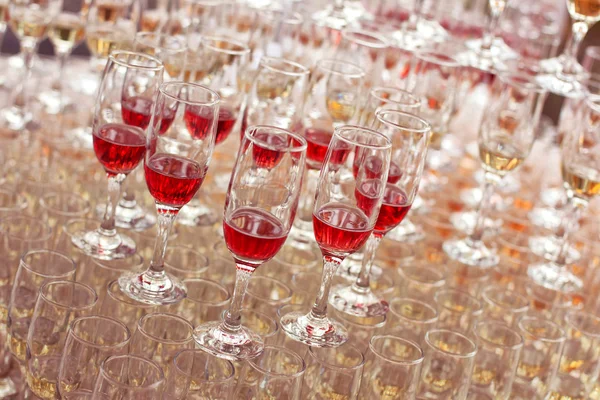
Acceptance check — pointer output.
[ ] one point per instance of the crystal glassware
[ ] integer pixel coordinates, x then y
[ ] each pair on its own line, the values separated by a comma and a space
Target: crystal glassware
411, 319
457, 310
206, 301
366, 49
344, 216
503, 305
119, 306
129, 376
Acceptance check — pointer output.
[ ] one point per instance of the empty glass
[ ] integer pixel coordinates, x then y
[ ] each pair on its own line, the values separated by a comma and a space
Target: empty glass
410, 319
457, 310
503, 305
129, 377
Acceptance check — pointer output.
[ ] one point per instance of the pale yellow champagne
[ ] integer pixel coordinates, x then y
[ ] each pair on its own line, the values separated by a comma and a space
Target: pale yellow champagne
41, 387
102, 41
500, 155
29, 23
582, 180
66, 30
339, 108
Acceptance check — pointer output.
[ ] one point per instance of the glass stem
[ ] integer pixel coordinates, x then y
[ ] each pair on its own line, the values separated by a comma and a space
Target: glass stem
489, 34
330, 265
579, 30
164, 223
417, 14
233, 319
20, 94
575, 209
363, 283
58, 84
487, 191
114, 192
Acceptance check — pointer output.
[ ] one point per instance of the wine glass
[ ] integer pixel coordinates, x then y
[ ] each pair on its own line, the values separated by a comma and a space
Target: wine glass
344, 216
365, 48
409, 135
564, 75
505, 139
180, 144
259, 212
581, 179
123, 110
29, 19
129, 377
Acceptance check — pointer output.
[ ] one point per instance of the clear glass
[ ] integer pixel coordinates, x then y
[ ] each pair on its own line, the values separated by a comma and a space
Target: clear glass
129, 83
57, 208
580, 168
333, 373
180, 144
457, 310
185, 262
58, 303
123, 308
170, 49
361, 329
410, 319
448, 365
276, 373
420, 281
504, 305
29, 20
357, 200
90, 340
129, 377
339, 14
505, 139
409, 135
498, 353
266, 294
392, 368
20, 234
197, 375
36, 268
277, 34
591, 60
366, 49
206, 301
261, 204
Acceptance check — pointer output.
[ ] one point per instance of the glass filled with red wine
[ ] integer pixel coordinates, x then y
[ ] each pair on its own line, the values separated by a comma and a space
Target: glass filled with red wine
344, 216
409, 135
175, 165
259, 211
120, 141
222, 60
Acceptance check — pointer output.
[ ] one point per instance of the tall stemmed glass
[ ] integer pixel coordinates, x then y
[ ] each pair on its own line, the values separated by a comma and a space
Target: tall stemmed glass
123, 107
581, 177
66, 30
409, 135
565, 75
505, 139
259, 212
175, 165
344, 216
29, 19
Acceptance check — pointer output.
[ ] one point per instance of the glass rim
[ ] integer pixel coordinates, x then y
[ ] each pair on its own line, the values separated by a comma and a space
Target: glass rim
377, 41
330, 64
44, 197
116, 55
418, 268
320, 360
103, 263
208, 41
593, 102
414, 345
424, 130
293, 18
485, 294
558, 328
380, 320
425, 305
375, 92
249, 134
146, 35
437, 57
338, 132
277, 282
55, 303
65, 257
299, 69
114, 382
569, 320
21, 202
195, 268
229, 364
126, 299
107, 320
162, 89
516, 335
279, 350
472, 300
47, 228
212, 283
179, 319
469, 354
521, 81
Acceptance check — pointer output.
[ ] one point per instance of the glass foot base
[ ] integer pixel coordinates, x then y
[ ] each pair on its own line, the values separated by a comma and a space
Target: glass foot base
14, 118
468, 252
99, 246
354, 302
197, 214
465, 222
555, 277
159, 290
241, 345
351, 267
319, 333
132, 218
562, 85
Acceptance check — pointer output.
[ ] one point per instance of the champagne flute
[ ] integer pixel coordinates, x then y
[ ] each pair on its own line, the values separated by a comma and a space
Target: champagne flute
409, 135
129, 83
259, 212
29, 19
180, 142
340, 223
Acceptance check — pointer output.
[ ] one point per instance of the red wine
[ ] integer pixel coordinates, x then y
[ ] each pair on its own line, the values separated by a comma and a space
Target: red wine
198, 120
367, 194
266, 157
373, 166
137, 111
173, 180
119, 147
394, 208
253, 235
340, 229
317, 145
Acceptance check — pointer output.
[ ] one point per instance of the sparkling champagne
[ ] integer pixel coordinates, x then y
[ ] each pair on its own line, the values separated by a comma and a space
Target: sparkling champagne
41, 387
18, 347
102, 41
581, 179
499, 155
66, 30
29, 23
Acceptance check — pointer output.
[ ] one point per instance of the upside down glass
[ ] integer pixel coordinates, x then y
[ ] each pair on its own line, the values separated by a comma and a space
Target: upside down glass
259, 210
181, 138
345, 214
409, 135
